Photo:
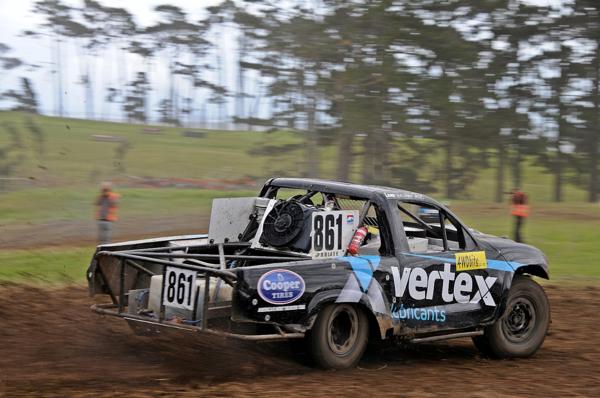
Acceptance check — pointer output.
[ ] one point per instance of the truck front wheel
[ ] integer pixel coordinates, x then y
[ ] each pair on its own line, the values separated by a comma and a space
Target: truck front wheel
339, 336
522, 329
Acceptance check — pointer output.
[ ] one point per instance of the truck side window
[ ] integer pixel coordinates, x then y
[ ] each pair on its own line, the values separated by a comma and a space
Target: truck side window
429, 229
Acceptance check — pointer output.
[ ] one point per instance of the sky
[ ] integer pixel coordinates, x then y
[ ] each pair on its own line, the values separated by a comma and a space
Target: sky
17, 16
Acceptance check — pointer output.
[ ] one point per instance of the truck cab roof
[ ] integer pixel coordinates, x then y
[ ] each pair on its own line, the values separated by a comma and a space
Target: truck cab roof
371, 192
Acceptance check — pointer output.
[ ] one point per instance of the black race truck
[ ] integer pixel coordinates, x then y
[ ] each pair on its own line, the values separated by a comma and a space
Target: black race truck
335, 264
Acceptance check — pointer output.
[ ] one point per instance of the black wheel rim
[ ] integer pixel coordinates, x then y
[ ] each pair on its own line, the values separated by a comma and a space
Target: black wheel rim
519, 323
342, 330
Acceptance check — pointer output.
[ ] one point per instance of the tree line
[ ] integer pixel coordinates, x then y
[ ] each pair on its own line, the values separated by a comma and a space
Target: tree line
408, 91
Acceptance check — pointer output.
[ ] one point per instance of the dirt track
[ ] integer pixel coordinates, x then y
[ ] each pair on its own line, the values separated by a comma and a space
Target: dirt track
52, 345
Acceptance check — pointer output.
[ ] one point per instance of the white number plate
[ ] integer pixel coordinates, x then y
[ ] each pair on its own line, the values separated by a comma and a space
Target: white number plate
179, 288
332, 232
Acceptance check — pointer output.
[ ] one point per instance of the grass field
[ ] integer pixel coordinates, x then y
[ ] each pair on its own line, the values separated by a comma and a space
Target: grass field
46, 266
65, 170
68, 204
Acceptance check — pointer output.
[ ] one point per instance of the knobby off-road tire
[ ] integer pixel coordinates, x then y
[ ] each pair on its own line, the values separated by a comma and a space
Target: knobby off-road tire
522, 329
339, 336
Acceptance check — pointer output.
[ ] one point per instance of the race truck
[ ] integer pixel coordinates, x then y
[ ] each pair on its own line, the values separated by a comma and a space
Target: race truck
335, 264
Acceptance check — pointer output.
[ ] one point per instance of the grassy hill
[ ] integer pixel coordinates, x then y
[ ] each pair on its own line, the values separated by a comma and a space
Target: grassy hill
62, 173
72, 154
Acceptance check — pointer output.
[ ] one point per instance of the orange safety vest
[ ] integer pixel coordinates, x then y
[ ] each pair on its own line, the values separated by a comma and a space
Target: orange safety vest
519, 210
111, 214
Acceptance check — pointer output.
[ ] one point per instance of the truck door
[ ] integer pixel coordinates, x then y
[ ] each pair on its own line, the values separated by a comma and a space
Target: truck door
443, 282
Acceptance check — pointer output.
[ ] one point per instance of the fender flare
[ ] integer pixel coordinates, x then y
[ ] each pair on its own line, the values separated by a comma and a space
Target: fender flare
534, 270
527, 269
377, 322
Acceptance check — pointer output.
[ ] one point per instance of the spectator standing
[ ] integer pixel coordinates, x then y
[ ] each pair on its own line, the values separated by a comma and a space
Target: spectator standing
106, 212
520, 210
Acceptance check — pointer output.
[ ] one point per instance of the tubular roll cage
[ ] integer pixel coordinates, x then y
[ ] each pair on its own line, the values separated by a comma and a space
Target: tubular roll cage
164, 256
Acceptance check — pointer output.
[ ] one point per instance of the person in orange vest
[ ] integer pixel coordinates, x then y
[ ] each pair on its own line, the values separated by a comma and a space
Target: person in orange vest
106, 212
520, 209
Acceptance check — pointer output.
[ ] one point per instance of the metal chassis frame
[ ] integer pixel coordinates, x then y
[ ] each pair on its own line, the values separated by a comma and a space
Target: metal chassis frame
156, 256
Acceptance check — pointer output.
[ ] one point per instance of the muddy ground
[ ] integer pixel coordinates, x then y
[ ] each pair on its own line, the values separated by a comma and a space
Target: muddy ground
52, 345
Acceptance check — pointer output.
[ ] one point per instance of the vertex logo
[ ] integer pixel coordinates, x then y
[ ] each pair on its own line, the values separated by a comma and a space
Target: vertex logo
422, 286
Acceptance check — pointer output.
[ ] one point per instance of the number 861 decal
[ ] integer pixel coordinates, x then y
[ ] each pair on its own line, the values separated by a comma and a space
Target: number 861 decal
179, 288
332, 231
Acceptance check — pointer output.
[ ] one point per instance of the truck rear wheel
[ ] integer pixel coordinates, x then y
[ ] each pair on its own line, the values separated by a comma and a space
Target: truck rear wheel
339, 336
522, 329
